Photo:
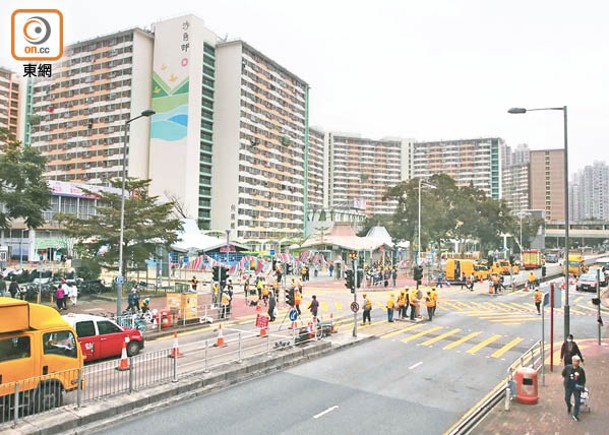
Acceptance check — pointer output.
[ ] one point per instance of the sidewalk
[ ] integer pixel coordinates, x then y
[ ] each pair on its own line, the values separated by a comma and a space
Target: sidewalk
549, 415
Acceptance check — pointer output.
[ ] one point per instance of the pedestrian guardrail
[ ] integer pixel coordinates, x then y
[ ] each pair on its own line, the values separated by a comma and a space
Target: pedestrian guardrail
75, 388
531, 358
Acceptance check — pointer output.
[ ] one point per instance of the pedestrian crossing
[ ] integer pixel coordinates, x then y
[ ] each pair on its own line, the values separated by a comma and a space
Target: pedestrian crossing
475, 343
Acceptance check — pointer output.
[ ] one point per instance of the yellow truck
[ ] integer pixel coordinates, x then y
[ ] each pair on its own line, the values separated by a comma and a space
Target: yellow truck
39, 357
577, 265
502, 267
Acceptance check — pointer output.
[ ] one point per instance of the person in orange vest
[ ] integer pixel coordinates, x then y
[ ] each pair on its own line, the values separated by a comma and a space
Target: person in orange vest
495, 282
297, 300
430, 303
367, 309
532, 280
414, 302
390, 307
538, 297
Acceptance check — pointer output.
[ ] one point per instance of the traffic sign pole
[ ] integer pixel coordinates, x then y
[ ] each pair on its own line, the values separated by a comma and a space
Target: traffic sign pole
355, 299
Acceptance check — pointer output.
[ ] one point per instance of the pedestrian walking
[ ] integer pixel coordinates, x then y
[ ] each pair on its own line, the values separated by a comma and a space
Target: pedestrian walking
569, 349
495, 283
429, 303
538, 296
13, 288
574, 377
73, 293
390, 307
225, 306
131, 300
532, 279
367, 309
394, 277
59, 295
314, 306
297, 300
472, 281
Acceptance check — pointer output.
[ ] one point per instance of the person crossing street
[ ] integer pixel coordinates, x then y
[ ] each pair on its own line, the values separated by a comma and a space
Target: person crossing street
367, 309
430, 304
390, 307
538, 297
532, 279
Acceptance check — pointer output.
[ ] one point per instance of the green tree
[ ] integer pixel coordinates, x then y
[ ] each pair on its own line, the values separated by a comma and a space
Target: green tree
23, 192
149, 227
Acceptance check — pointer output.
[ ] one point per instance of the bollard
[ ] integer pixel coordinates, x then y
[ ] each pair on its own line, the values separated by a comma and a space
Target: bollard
507, 397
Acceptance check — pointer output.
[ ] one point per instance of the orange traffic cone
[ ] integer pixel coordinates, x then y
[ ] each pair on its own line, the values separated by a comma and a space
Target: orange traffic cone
332, 330
123, 364
258, 307
263, 331
220, 338
175, 348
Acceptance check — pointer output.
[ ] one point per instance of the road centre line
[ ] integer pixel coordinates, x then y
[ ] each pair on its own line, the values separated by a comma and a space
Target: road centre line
414, 366
327, 411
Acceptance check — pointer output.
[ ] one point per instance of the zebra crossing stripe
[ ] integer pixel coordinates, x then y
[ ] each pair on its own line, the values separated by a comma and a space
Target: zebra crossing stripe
499, 353
440, 337
483, 343
461, 340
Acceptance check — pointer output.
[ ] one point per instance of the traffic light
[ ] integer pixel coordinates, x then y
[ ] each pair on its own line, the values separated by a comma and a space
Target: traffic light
289, 297
418, 273
216, 273
349, 280
223, 275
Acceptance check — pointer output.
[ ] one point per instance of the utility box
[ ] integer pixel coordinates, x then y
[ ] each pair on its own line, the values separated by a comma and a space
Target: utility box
527, 386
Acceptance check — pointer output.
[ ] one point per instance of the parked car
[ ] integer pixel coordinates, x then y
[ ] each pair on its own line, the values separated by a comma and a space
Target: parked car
101, 337
586, 282
603, 274
552, 258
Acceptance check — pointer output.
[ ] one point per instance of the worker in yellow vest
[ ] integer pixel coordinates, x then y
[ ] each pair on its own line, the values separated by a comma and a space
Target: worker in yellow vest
402, 304
297, 300
434, 294
414, 303
390, 307
430, 303
538, 297
367, 309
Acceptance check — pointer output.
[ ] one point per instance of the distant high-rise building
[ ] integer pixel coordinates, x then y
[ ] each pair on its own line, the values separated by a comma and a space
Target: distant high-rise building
476, 162
316, 168
360, 170
547, 183
76, 118
590, 193
10, 92
515, 178
260, 128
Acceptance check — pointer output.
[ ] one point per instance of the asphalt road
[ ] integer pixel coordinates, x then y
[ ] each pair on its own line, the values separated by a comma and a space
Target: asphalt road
417, 378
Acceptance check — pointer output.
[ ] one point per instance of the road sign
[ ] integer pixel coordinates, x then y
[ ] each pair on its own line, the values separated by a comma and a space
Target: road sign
120, 280
354, 307
293, 315
546, 299
272, 252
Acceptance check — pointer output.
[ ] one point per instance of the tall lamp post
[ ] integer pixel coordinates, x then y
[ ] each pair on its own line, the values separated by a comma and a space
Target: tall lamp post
521, 215
426, 184
520, 110
120, 279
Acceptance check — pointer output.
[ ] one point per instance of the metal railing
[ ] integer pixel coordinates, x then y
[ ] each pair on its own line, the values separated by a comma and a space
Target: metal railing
531, 358
74, 388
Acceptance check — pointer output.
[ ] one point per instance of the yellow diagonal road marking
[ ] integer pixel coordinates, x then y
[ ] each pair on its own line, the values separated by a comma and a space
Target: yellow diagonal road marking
462, 340
440, 337
399, 331
324, 306
483, 343
339, 306
420, 334
514, 319
456, 307
578, 299
507, 347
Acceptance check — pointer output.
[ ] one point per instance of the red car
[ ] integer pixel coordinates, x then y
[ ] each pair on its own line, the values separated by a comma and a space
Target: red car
101, 337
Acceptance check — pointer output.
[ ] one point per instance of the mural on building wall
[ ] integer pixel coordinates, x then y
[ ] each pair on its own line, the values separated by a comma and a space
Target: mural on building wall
170, 83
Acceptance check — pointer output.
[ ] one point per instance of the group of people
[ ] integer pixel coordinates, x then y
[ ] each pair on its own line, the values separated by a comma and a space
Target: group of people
407, 298
378, 274
64, 291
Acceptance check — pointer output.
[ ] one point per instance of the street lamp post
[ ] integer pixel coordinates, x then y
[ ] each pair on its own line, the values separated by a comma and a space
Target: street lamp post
120, 278
567, 309
521, 215
421, 182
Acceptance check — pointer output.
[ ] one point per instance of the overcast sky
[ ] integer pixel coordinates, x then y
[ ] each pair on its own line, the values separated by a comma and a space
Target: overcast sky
427, 69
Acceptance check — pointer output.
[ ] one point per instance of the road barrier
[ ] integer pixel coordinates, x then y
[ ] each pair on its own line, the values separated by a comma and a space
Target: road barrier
531, 358
25, 399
